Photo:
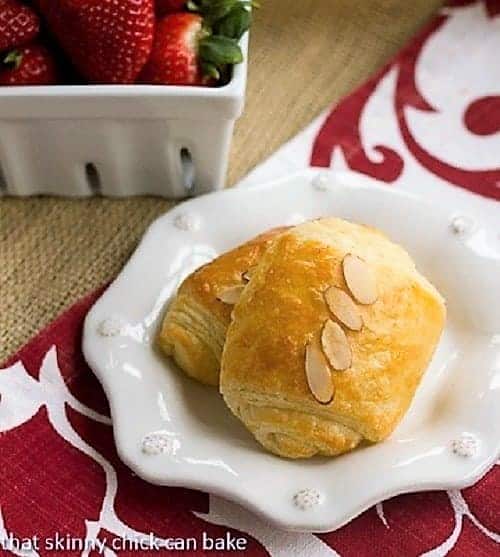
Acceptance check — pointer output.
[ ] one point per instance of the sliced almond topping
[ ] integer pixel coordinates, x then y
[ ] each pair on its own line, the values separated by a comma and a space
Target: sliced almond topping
319, 377
343, 308
336, 346
359, 279
247, 275
231, 295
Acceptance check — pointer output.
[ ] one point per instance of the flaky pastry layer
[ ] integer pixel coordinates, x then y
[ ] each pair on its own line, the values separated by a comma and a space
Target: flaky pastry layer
194, 329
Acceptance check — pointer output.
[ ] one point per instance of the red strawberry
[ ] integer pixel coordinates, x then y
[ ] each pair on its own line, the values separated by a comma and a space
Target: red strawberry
108, 41
185, 54
174, 58
18, 24
33, 64
164, 7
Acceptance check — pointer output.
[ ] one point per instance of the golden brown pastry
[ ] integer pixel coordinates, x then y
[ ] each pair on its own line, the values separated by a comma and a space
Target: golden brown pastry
329, 340
194, 329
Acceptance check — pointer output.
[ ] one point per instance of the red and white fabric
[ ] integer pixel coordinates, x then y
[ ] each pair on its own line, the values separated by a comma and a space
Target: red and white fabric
428, 122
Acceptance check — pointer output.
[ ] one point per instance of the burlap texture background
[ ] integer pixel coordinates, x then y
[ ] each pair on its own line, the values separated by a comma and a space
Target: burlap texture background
304, 55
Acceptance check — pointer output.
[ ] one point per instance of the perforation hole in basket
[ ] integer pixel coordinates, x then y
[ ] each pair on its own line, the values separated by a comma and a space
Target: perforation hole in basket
187, 169
3, 181
93, 178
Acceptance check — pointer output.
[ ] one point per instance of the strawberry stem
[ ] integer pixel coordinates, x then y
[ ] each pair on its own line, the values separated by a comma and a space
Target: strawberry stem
13, 59
220, 50
235, 23
210, 70
224, 23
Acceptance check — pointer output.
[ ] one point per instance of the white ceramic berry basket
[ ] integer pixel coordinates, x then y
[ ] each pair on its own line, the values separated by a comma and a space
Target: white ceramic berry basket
173, 431
118, 140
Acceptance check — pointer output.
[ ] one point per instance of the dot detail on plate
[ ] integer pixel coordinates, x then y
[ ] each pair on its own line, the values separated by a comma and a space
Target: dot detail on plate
187, 222
307, 499
321, 182
159, 442
111, 326
467, 445
461, 225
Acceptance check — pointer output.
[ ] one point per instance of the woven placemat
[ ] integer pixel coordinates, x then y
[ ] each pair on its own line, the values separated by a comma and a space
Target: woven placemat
304, 55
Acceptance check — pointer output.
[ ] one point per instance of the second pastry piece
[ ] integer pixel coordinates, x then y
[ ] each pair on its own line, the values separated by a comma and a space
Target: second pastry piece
193, 331
330, 339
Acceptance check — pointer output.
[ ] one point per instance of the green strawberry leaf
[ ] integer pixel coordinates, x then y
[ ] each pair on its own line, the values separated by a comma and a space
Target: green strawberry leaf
13, 59
235, 23
210, 70
219, 50
215, 10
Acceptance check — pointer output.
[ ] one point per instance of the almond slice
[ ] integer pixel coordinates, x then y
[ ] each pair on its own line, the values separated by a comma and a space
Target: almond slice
336, 346
319, 377
247, 275
359, 279
343, 308
231, 295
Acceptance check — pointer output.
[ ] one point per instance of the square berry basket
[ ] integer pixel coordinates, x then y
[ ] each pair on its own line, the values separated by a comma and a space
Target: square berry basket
118, 140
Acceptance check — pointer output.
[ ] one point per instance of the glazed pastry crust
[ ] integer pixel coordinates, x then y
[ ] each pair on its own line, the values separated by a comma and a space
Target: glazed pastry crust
263, 378
194, 329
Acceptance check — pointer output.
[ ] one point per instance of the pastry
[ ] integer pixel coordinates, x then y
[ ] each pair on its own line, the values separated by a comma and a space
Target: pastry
194, 329
329, 340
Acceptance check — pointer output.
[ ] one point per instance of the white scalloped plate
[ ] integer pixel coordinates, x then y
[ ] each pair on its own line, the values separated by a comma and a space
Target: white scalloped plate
172, 431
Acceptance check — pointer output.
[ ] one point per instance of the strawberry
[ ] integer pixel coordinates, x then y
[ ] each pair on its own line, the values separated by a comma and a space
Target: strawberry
18, 24
164, 7
174, 58
184, 52
108, 41
32, 64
